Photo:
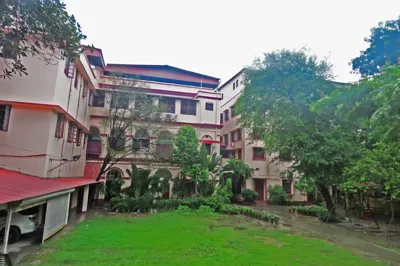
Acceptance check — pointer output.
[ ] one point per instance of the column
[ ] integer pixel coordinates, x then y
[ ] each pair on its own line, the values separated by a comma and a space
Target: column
7, 228
40, 214
85, 198
66, 216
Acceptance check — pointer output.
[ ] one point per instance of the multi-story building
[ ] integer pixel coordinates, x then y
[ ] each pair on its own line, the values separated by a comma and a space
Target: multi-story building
238, 144
44, 124
190, 100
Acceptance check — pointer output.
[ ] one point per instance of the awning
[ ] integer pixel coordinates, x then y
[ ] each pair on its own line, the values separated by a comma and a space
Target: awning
16, 186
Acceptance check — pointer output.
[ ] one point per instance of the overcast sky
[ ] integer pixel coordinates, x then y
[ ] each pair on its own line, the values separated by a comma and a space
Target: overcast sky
220, 37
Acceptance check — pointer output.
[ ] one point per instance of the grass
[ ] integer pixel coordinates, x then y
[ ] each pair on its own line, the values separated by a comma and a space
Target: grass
188, 239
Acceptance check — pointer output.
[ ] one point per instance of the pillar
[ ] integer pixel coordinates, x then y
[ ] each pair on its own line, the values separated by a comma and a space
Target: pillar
85, 198
7, 228
40, 214
66, 215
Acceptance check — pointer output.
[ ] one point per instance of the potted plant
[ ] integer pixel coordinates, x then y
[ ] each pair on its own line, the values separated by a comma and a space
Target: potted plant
249, 196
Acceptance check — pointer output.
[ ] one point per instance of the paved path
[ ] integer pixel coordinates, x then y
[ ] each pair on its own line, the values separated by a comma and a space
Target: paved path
366, 244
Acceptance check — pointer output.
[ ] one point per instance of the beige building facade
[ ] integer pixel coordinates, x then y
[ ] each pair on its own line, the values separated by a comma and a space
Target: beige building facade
238, 144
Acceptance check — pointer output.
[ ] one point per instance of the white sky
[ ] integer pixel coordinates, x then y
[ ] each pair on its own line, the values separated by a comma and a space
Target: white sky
219, 37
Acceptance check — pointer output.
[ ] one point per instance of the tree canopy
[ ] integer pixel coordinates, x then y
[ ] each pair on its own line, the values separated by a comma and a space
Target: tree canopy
384, 47
280, 89
39, 28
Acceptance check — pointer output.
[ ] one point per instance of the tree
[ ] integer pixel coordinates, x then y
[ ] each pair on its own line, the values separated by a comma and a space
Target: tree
129, 109
384, 47
372, 111
143, 183
39, 28
279, 91
238, 172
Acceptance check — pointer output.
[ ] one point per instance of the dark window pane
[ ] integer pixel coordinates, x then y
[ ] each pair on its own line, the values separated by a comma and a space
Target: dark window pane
168, 104
188, 107
258, 153
209, 106
98, 99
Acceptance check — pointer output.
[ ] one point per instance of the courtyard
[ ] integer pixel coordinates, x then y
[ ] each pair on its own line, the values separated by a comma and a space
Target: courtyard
192, 238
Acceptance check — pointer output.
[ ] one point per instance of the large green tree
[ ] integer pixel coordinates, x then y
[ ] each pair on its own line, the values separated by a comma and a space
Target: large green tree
279, 91
41, 28
384, 47
371, 109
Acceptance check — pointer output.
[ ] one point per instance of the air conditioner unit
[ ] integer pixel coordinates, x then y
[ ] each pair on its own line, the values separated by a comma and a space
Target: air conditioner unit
232, 144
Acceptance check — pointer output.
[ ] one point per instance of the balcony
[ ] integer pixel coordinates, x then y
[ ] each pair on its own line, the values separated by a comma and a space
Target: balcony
93, 149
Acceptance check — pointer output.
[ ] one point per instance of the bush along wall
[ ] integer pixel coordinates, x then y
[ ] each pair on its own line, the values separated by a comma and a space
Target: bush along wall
318, 211
288, 203
219, 204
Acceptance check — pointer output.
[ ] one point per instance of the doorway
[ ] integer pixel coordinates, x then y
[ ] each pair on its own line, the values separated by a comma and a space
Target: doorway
259, 185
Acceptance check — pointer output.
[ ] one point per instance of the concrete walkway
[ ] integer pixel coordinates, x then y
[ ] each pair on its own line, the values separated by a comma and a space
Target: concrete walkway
365, 243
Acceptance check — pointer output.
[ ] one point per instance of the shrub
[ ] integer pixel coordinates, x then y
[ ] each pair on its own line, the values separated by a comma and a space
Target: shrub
277, 194
204, 209
246, 211
318, 211
142, 204
249, 195
183, 210
290, 203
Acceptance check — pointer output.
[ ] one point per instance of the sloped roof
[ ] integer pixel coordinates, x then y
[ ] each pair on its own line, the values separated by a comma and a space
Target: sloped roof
16, 186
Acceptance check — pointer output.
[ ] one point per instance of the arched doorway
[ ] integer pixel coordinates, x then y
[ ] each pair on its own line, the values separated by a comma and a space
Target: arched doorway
166, 176
114, 181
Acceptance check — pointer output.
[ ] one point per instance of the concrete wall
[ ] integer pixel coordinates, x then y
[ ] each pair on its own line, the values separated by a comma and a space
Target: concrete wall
36, 100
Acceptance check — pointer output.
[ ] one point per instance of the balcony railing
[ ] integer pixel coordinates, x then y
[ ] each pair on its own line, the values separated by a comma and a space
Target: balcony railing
93, 149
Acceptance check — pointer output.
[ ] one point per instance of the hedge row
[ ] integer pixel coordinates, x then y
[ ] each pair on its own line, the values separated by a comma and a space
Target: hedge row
318, 211
288, 203
218, 204
246, 211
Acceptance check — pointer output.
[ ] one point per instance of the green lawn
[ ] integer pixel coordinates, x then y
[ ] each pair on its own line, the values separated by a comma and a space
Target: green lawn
193, 239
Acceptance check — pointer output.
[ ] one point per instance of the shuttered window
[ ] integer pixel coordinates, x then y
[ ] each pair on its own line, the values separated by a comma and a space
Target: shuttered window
72, 132
85, 89
60, 126
69, 68
5, 111
79, 137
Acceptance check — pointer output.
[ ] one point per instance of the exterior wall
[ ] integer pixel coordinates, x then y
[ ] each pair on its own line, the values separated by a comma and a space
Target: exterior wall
36, 100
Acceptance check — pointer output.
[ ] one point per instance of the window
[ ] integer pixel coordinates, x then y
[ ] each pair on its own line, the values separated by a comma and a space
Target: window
97, 99
85, 89
141, 142
208, 148
209, 106
79, 137
287, 186
237, 83
4, 116
221, 119
188, 107
169, 104
232, 111
164, 145
224, 152
234, 85
239, 134
118, 101
141, 101
226, 115
114, 174
233, 137
76, 79
258, 154
239, 154
72, 132
69, 68
226, 140
60, 126
117, 139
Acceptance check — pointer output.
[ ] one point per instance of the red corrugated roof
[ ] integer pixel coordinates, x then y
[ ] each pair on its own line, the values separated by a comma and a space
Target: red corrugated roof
17, 186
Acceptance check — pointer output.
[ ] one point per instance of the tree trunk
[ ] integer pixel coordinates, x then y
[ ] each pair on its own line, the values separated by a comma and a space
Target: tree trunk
328, 200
